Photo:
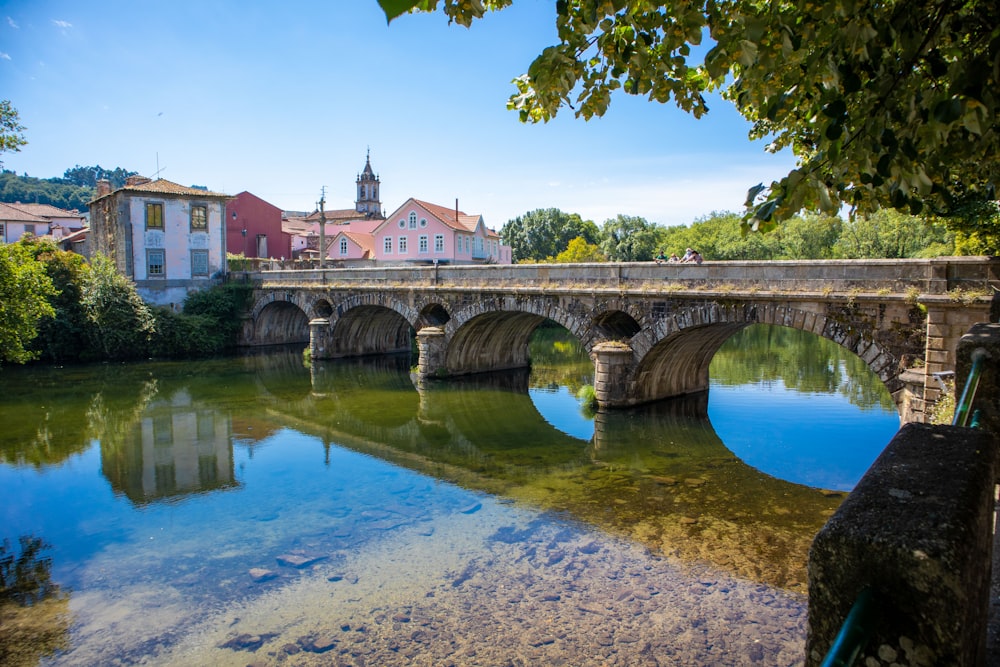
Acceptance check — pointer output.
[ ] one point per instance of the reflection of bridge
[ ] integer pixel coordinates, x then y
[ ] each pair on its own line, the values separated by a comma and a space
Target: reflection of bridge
646, 472
651, 329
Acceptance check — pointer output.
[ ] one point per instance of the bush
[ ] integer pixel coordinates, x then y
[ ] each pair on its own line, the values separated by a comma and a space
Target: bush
181, 336
225, 304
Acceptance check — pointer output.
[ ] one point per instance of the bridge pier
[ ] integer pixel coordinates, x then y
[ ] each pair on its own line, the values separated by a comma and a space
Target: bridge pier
319, 338
432, 348
612, 364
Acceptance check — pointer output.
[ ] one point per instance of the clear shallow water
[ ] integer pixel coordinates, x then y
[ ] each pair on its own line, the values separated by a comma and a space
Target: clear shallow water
252, 510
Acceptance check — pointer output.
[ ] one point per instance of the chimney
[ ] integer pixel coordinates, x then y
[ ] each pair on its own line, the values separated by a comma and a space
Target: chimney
103, 187
136, 180
456, 209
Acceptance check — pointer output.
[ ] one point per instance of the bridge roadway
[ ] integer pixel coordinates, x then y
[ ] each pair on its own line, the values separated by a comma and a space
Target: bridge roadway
651, 329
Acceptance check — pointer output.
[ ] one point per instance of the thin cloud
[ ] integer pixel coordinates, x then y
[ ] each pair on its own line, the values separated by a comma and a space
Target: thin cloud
12, 23
4, 56
62, 24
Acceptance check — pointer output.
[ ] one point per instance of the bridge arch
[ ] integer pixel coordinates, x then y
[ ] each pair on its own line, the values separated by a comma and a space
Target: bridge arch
370, 323
494, 334
672, 353
279, 318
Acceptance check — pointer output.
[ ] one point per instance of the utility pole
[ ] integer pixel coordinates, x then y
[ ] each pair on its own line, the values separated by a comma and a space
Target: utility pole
322, 227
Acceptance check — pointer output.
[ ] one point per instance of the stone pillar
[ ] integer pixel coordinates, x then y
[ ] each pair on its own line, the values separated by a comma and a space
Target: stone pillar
981, 339
612, 363
946, 324
319, 338
432, 348
917, 532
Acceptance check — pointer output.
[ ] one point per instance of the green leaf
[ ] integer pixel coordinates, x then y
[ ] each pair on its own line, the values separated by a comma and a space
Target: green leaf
396, 8
948, 111
835, 109
752, 194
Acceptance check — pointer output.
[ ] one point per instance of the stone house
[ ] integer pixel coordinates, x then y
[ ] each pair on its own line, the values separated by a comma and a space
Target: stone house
169, 239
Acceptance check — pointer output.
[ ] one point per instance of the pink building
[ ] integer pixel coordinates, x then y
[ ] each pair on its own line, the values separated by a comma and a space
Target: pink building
253, 228
421, 232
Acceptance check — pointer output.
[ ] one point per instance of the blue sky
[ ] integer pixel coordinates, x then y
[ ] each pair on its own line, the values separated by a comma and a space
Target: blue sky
281, 99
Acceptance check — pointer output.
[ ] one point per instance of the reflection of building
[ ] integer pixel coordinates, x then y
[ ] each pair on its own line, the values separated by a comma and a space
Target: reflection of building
175, 449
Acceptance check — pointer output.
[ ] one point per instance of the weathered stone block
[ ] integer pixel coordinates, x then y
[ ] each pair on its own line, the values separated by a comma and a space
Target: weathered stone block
917, 531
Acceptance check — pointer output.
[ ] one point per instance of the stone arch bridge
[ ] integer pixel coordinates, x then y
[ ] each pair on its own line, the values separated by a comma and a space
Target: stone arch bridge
651, 329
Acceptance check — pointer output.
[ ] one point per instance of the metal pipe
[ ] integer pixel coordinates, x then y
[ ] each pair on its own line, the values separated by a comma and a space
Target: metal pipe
964, 403
854, 633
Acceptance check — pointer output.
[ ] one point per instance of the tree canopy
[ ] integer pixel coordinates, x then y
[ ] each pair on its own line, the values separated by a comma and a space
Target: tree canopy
544, 233
76, 188
11, 130
891, 104
25, 290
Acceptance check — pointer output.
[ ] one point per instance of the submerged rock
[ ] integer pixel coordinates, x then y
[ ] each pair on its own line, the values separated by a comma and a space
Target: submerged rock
298, 560
259, 574
246, 641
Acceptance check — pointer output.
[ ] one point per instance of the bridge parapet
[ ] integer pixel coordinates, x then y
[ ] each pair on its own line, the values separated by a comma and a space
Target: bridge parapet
922, 276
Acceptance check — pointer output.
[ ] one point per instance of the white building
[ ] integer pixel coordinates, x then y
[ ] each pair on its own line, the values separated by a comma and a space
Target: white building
168, 238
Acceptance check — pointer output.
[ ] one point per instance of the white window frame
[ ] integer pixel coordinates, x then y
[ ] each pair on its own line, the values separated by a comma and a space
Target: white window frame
413, 219
387, 245
422, 244
401, 245
439, 243
203, 260
150, 253
343, 247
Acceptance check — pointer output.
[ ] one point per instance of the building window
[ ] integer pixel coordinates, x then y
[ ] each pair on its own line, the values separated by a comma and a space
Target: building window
423, 222
422, 245
29, 229
199, 263
156, 263
413, 220
199, 218
3, 232
402, 245
343, 247
467, 244
439, 243
402, 224
154, 216
387, 245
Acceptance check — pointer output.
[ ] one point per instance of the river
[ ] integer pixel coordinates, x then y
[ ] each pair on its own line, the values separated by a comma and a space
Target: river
260, 510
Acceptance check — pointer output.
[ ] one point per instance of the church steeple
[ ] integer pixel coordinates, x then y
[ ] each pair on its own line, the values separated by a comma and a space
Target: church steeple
367, 201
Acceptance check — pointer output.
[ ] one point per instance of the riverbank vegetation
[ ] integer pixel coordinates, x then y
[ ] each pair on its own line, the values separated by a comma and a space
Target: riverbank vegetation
57, 307
546, 235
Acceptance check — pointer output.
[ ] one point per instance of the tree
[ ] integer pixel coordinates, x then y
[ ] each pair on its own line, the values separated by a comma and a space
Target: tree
883, 104
11, 130
121, 322
62, 337
544, 233
578, 251
24, 292
629, 238
889, 234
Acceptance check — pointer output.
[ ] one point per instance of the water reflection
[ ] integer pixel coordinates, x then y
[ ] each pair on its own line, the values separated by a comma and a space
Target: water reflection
34, 611
173, 448
301, 454
658, 474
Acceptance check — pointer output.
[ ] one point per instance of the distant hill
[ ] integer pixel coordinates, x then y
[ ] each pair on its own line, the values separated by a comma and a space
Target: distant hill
73, 191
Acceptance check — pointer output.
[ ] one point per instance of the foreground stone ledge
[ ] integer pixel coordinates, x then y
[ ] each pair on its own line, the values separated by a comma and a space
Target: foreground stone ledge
917, 530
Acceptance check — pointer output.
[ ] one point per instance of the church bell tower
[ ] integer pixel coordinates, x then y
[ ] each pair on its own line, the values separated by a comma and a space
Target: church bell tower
367, 202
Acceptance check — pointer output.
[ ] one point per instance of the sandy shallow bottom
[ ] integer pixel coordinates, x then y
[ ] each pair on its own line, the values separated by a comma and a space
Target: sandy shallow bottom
496, 586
